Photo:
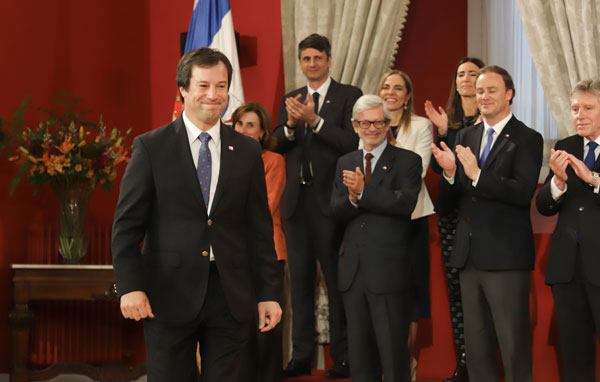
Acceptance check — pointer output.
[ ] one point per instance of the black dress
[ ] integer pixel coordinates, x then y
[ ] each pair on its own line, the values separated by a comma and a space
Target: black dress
447, 221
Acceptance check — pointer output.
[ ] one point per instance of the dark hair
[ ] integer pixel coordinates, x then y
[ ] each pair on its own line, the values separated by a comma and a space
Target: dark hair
267, 141
409, 110
508, 81
454, 107
203, 57
315, 41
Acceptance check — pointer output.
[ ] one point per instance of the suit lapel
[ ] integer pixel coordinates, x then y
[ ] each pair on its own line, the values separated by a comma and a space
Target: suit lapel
505, 136
190, 176
227, 162
577, 149
383, 165
473, 140
330, 97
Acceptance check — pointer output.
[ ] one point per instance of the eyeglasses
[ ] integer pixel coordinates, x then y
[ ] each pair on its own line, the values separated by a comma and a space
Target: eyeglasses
366, 124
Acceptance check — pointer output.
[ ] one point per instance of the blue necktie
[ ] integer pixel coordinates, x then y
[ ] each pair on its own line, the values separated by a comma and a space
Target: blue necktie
204, 167
487, 148
590, 158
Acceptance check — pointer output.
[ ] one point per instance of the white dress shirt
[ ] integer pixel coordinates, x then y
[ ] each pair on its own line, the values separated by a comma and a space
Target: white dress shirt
498, 127
214, 145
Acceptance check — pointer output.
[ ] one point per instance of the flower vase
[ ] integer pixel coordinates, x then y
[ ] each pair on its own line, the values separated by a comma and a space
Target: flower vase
73, 203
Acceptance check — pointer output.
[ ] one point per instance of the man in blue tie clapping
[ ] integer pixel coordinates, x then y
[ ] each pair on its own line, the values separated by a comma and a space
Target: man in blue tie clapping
571, 190
492, 178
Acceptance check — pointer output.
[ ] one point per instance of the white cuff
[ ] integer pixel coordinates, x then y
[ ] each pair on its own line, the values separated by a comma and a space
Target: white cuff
554, 191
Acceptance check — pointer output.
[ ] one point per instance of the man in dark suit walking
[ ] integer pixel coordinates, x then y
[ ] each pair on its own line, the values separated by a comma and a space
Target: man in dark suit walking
207, 235
571, 190
374, 262
492, 184
314, 130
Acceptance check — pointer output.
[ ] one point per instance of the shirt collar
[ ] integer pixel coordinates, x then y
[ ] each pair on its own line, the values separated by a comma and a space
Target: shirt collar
193, 132
377, 151
322, 89
498, 126
586, 141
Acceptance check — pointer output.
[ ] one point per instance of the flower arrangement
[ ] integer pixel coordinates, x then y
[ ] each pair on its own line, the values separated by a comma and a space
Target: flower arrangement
72, 157
63, 150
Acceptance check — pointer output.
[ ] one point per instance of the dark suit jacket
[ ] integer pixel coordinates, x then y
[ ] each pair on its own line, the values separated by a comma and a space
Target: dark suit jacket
494, 226
336, 138
578, 214
160, 203
376, 239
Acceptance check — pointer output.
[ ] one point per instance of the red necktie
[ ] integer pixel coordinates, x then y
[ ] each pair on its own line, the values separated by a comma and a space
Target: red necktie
368, 157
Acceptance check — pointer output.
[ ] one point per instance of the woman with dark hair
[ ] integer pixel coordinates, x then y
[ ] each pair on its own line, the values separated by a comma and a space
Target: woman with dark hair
460, 112
253, 120
414, 133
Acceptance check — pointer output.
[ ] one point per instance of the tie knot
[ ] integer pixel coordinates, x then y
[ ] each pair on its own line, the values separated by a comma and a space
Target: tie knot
490, 132
204, 137
592, 145
368, 156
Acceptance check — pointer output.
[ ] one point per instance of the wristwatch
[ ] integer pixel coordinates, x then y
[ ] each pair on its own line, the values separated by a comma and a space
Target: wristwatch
595, 177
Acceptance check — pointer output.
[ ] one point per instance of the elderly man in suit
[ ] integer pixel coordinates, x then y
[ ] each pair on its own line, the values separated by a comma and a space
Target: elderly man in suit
571, 191
492, 183
314, 130
207, 235
374, 262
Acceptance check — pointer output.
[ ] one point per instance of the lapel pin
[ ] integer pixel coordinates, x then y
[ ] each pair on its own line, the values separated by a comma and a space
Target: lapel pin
327, 101
506, 135
230, 148
384, 168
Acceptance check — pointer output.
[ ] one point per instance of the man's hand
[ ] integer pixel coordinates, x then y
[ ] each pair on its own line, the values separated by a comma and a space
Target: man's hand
355, 181
581, 170
445, 158
438, 117
301, 111
135, 305
559, 160
292, 120
269, 315
469, 161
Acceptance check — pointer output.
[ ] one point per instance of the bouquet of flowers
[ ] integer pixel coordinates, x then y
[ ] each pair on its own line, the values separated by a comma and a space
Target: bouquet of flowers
63, 150
70, 155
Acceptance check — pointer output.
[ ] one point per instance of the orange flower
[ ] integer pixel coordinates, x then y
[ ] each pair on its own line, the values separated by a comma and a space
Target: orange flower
67, 145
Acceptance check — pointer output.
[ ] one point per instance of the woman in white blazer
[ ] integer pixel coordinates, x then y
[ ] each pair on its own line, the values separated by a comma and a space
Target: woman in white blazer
414, 133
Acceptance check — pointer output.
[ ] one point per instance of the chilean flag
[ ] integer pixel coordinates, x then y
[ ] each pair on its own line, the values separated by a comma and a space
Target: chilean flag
212, 26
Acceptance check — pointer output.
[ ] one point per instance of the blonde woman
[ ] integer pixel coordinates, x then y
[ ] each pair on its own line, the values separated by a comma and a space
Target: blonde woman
414, 133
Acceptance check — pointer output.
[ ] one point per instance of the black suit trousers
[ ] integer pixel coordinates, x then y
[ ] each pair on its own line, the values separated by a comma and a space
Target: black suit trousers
171, 349
310, 235
577, 305
377, 333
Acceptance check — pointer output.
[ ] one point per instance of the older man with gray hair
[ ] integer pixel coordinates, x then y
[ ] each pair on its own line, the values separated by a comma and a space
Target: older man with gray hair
374, 193
571, 191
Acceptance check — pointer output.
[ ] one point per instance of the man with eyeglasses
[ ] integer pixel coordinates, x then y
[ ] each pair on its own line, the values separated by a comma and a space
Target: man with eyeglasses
314, 130
374, 194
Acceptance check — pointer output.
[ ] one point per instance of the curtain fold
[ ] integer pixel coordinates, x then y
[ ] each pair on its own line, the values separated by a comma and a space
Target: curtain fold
364, 37
565, 45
